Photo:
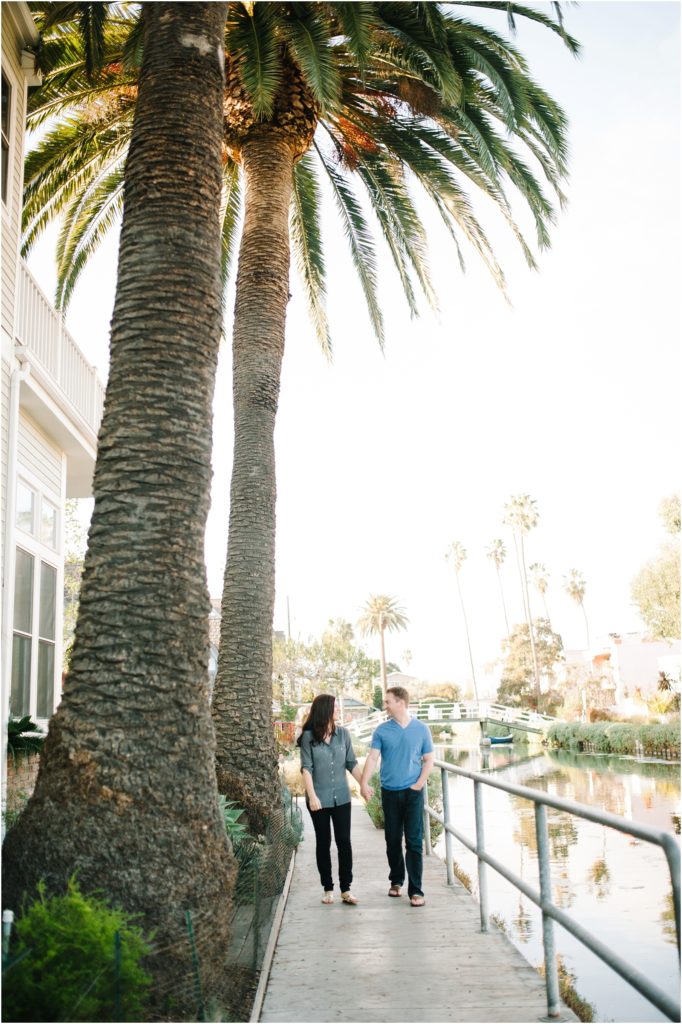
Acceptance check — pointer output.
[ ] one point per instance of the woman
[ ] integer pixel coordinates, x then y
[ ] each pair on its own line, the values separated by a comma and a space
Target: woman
326, 754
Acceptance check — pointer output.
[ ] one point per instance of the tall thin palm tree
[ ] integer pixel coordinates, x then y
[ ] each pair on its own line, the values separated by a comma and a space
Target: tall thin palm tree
382, 613
521, 513
575, 586
126, 795
458, 554
497, 553
362, 96
540, 578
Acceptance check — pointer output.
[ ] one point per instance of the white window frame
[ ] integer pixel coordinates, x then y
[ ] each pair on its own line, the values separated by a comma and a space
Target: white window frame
33, 546
11, 112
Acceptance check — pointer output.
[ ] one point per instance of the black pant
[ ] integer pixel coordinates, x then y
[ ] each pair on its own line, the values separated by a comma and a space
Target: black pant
404, 814
322, 819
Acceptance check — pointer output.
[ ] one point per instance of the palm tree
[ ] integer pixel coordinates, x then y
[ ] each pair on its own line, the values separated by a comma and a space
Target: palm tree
126, 794
522, 515
575, 586
368, 95
458, 553
497, 553
382, 613
540, 577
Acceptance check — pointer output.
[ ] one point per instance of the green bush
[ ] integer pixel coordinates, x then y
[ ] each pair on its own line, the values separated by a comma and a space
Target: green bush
621, 738
62, 962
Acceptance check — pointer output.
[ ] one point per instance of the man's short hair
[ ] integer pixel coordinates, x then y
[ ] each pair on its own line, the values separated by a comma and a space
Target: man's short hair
400, 692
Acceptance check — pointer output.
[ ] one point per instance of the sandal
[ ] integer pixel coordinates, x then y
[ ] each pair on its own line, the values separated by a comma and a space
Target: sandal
328, 897
348, 897
417, 901
394, 891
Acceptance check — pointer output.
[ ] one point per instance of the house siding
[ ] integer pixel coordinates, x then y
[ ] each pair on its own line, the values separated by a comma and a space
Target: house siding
39, 455
4, 425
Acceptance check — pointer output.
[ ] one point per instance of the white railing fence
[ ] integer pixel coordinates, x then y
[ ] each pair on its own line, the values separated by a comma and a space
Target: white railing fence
40, 329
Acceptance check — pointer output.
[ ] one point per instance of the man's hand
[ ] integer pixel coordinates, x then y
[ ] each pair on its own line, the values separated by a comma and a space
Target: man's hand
418, 785
366, 792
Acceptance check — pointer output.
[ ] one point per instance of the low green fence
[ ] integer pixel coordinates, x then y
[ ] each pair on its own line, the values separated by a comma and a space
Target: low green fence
77, 959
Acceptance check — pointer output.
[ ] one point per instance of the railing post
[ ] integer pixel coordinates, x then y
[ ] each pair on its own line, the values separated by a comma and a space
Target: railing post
551, 973
427, 821
480, 848
446, 820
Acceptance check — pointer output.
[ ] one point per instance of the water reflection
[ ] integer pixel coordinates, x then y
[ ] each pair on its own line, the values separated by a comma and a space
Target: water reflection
615, 886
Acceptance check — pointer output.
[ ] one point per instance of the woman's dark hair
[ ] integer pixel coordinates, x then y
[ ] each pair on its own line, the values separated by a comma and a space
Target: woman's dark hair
320, 718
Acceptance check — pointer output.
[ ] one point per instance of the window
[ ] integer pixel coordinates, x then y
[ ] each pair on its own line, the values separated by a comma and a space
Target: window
33, 648
37, 516
22, 641
6, 118
26, 504
48, 524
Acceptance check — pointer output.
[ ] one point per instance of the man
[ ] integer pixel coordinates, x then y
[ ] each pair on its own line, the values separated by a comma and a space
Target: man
406, 751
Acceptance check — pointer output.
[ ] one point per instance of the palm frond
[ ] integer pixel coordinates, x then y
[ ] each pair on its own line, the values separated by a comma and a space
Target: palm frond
360, 241
229, 216
307, 245
86, 223
251, 41
307, 35
531, 13
356, 21
413, 41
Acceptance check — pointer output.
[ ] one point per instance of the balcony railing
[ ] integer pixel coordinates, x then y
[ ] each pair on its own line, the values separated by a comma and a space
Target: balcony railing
40, 329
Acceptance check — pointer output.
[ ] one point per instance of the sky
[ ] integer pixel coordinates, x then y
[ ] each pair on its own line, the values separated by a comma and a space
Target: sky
570, 394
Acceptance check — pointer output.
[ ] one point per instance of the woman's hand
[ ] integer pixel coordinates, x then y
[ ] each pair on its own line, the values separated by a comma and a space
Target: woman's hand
366, 792
315, 804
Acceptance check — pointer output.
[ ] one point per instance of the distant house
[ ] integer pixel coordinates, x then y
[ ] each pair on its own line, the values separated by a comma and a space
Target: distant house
401, 679
51, 409
628, 663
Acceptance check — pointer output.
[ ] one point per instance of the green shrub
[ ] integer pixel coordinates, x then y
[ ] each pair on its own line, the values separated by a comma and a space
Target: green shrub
373, 806
62, 962
620, 738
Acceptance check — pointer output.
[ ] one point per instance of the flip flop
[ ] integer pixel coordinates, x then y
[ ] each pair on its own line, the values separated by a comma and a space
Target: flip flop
417, 901
328, 898
394, 891
348, 897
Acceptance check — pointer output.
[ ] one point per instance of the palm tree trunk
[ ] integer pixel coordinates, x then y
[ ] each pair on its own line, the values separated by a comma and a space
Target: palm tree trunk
504, 606
242, 701
466, 630
382, 659
126, 794
587, 625
529, 617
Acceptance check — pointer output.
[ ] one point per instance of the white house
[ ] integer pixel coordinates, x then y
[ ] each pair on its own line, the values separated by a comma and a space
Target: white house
628, 663
51, 410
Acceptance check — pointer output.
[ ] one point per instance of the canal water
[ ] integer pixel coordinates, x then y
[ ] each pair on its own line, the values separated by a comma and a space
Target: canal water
614, 885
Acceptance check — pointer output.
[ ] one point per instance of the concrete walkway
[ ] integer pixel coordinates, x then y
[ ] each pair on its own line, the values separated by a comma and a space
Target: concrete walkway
384, 960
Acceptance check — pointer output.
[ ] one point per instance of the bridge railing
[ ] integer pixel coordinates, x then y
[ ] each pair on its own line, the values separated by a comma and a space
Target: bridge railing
543, 898
460, 711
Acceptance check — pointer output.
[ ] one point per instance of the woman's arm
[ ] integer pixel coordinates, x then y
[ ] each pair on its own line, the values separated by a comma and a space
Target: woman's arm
308, 770
313, 798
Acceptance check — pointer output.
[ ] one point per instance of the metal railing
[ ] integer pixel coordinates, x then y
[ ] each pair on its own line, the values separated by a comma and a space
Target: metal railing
41, 330
543, 899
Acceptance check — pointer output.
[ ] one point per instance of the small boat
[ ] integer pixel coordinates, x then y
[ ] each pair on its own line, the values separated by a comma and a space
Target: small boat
496, 740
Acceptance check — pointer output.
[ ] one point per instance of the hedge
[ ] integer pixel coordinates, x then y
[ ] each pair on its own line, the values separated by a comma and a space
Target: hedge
658, 740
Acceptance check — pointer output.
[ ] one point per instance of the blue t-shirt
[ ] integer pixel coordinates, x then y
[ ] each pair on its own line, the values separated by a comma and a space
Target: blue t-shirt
401, 751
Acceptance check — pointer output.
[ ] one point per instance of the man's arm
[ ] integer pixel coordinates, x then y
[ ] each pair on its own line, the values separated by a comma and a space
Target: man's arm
427, 768
368, 772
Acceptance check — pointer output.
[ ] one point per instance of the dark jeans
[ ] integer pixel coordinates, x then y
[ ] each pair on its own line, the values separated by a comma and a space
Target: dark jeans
322, 821
404, 815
